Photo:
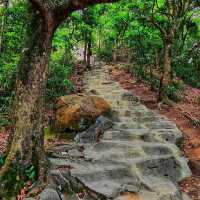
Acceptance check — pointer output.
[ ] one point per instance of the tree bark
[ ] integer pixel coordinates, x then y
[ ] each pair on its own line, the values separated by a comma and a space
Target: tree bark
27, 146
114, 56
99, 39
157, 58
114, 52
3, 22
85, 51
28, 142
166, 77
89, 52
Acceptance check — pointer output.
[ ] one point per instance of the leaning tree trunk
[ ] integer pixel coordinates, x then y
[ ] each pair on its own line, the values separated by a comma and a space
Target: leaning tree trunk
26, 148
166, 77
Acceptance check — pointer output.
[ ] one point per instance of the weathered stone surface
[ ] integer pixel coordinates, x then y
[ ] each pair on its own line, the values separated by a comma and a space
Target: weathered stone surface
95, 131
76, 112
49, 194
138, 154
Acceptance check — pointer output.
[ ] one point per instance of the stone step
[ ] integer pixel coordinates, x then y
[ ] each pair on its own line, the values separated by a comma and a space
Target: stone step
138, 154
145, 134
109, 178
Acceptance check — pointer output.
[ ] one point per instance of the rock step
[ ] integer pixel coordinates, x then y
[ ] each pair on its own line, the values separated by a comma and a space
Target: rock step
147, 135
138, 154
109, 179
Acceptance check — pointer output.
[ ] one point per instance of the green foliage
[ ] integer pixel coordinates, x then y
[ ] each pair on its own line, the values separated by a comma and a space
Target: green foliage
58, 83
105, 54
13, 33
12, 183
2, 159
189, 74
173, 91
60, 67
31, 173
120, 27
129, 25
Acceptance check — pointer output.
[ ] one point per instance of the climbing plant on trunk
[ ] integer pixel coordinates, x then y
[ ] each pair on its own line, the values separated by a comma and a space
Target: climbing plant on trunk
27, 144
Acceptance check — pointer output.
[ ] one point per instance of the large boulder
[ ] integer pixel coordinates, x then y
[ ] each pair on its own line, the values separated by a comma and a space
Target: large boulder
77, 112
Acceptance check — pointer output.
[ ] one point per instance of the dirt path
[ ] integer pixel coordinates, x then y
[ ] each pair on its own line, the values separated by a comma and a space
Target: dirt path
136, 159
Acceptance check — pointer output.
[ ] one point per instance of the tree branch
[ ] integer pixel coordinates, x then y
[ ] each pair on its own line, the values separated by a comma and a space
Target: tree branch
63, 8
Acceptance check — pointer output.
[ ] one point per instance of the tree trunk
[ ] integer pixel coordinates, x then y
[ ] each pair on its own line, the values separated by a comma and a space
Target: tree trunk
114, 56
166, 77
115, 49
27, 143
85, 52
89, 52
3, 22
157, 58
99, 39
151, 77
27, 146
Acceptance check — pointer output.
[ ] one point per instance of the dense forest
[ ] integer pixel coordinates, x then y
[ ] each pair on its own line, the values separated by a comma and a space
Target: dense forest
156, 41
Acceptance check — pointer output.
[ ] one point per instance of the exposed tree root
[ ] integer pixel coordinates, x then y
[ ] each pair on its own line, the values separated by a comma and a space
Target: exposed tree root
36, 190
165, 101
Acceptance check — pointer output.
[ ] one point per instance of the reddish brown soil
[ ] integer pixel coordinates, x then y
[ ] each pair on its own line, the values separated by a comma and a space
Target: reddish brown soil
189, 106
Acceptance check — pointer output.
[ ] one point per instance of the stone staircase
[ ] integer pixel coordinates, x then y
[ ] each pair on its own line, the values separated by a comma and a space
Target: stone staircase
139, 154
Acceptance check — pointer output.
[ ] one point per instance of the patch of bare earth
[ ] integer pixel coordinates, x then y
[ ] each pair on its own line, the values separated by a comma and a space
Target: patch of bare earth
184, 114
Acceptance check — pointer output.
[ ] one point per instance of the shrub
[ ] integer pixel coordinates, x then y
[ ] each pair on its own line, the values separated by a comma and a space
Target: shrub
58, 83
105, 54
173, 91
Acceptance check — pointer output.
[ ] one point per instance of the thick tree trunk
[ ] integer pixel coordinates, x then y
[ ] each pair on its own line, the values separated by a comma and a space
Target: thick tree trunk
27, 143
166, 77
